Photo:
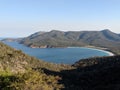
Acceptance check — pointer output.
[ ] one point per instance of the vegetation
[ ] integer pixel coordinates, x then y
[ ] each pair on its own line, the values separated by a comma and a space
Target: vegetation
30, 80
55, 38
19, 71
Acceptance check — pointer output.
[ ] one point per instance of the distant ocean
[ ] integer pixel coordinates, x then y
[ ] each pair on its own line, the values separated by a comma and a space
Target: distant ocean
58, 55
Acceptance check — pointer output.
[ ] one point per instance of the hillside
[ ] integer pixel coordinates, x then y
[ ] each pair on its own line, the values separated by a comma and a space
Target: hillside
100, 73
16, 59
50, 39
19, 71
54, 38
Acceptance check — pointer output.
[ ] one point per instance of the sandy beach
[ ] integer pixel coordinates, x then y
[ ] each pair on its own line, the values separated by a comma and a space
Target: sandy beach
108, 52
97, 48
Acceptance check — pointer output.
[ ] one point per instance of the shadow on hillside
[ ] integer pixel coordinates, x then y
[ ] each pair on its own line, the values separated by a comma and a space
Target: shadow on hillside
91, 74
104, 79
6, 81
95, 77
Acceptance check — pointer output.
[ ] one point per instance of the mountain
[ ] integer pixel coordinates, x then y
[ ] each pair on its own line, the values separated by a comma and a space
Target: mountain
51, 39
55, 38
110, 35
36, 34
119, 35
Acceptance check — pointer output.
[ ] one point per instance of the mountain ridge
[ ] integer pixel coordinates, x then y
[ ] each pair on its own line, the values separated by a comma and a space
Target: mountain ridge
104, 38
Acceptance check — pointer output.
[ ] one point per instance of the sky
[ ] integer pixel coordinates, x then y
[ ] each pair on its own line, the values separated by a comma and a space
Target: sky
20, 18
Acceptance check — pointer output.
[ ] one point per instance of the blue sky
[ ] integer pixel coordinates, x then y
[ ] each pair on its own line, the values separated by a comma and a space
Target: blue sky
20, 18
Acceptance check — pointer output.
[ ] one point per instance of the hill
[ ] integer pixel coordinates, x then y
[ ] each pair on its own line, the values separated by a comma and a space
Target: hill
50, 39
54, 38
100, 73
19, 71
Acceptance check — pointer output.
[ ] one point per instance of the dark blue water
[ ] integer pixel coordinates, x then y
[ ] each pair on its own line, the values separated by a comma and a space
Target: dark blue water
58, 55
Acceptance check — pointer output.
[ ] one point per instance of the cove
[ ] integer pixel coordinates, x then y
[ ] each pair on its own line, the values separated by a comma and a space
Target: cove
59, 55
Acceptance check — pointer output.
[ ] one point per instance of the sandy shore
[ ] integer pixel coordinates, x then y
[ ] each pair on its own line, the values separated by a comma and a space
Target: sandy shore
98, 49
108, 52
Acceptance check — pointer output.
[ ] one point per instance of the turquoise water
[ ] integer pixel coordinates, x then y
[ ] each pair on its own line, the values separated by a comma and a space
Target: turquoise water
58, 55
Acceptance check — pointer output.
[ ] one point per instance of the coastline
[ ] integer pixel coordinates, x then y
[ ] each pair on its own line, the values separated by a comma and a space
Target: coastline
108, 52
98, 49
101, 49
105, 50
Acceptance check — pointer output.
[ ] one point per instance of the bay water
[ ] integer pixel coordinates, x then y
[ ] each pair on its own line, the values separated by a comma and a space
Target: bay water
58, 55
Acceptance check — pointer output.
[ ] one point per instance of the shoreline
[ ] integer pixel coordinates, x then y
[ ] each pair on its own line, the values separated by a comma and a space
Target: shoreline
101, 49
105, 50
108, 52
98, 49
